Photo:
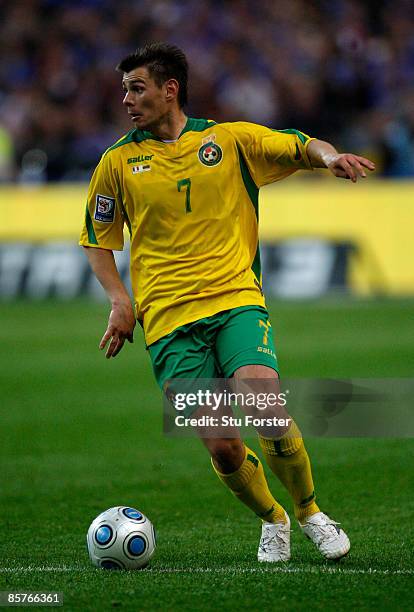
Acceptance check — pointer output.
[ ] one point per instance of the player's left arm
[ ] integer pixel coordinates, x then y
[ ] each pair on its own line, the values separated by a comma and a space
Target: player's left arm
343, 165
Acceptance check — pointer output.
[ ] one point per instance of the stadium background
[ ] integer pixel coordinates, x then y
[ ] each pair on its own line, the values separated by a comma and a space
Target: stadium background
338, 266
340, 70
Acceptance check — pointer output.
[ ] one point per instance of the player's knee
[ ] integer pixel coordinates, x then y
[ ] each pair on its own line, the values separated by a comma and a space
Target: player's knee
227, 454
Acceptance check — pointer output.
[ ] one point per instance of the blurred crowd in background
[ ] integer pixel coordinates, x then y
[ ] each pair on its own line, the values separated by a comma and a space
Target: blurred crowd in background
341, 70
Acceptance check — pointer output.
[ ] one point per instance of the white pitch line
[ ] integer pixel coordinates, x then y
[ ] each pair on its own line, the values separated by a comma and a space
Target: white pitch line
227, 570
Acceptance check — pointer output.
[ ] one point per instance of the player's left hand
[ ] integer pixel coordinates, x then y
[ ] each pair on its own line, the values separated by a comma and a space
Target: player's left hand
350, 166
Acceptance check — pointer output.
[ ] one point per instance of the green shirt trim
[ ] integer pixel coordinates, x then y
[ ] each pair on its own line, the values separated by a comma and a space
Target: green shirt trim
135, 135
89, 227
192, 125
197, 125
253, 192
125, 214
301, 136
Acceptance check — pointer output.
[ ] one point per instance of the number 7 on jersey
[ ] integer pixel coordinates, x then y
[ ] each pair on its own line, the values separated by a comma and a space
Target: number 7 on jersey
186, 183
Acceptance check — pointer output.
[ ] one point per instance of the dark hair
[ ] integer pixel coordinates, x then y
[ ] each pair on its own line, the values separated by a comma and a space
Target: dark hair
164, 62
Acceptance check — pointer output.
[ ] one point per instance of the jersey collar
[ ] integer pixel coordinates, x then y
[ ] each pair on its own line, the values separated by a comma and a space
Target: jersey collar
192, 125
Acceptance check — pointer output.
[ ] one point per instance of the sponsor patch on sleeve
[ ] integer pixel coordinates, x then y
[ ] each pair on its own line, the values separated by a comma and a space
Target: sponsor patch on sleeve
104, 209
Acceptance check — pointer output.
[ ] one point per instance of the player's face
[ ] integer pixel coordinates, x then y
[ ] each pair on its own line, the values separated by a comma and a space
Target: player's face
146, 103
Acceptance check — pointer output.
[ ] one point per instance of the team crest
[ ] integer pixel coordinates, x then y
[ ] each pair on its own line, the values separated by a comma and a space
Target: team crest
210, 154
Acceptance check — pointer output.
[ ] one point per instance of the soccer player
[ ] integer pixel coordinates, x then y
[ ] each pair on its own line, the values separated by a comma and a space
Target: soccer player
187, 189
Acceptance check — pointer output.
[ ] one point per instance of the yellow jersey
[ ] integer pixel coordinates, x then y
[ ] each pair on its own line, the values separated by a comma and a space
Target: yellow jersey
191, 207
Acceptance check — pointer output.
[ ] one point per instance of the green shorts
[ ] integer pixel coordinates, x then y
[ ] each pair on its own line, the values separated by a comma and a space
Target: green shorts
214, 347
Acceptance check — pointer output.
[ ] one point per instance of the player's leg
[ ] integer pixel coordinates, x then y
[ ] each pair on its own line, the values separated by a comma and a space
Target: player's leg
240, 469
187, 354
246, 350
286, 455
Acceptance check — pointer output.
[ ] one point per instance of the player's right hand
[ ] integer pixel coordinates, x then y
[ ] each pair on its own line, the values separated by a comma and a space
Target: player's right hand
350, 166
121, 325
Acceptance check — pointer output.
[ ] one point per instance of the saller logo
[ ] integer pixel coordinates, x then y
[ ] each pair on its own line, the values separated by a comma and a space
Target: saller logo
140, 158
104, 209
210, 154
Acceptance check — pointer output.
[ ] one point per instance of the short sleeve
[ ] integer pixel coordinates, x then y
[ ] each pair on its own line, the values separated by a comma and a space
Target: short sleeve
104, 220
271, 155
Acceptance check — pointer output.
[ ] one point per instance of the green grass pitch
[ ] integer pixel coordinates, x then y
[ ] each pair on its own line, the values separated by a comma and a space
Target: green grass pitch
81, 434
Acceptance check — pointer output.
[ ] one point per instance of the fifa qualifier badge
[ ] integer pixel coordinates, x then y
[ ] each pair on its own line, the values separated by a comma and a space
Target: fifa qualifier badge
210, 153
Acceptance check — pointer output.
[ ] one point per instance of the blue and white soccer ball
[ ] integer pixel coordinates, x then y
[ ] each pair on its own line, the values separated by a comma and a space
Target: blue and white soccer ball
121, 538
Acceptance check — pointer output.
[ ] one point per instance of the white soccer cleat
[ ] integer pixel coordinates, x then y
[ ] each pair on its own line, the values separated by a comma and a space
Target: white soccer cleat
274, 545
330, 539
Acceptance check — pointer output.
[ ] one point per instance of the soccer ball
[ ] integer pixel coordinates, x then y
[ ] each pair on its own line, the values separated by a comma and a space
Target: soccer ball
121, 538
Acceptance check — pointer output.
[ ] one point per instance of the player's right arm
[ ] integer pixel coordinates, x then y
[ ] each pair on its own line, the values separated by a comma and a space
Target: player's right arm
121, 321
101, 234
272, 155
